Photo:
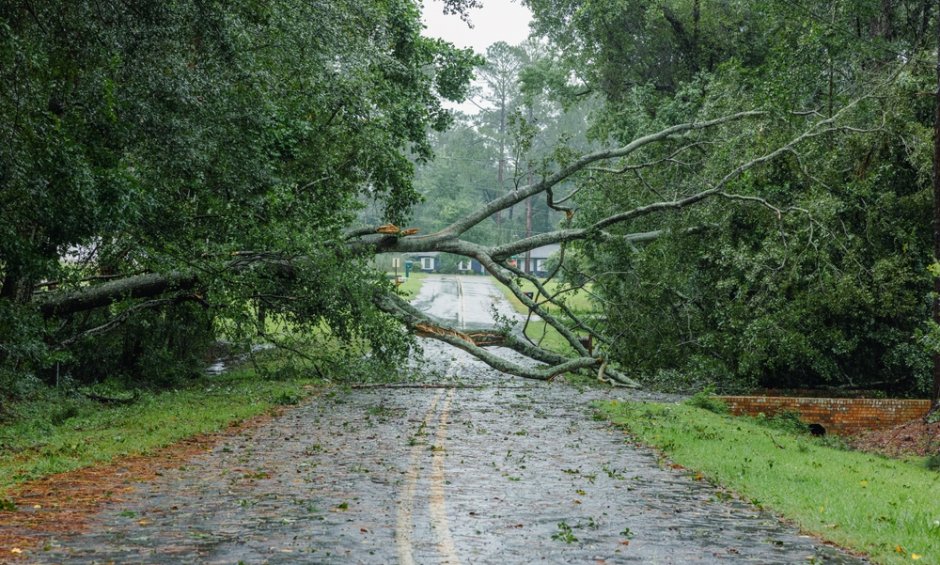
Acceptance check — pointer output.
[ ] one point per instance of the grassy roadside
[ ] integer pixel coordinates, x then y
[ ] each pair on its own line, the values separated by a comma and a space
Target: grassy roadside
885, 508
59, 434
412, 285
578, 301
537, 330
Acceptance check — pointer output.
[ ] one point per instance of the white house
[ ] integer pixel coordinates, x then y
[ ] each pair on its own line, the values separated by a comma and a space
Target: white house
538, 258
429, 261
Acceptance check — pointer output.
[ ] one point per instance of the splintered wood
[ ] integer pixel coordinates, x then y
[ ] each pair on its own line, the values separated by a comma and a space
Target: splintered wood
479, 339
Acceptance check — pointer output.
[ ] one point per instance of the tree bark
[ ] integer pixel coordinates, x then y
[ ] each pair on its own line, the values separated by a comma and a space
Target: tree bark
139, 286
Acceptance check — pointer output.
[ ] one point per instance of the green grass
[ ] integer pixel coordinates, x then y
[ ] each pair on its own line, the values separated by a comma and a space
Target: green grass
412, 285
578, 301
549, 336
62, 433
886, 508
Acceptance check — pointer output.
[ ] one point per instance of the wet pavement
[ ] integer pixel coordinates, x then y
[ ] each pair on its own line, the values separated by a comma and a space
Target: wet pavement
465, 302
476, 467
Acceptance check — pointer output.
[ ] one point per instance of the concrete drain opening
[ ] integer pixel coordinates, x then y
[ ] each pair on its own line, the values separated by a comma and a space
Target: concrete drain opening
817, 429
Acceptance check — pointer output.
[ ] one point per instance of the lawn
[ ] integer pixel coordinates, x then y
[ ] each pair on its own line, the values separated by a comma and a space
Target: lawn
63, 432
885, 508
412, 285
578, 301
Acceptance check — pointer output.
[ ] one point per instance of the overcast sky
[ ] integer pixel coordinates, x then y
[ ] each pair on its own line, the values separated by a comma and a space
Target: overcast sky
497, 20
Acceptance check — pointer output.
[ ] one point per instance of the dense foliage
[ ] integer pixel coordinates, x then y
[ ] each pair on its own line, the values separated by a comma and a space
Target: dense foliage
208, 138
201, 165
832, 287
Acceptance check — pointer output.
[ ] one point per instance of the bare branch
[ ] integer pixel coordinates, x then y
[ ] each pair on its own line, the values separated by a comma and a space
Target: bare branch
550, 298
423, 326
595, 230
521, 194
501, 274
671, 158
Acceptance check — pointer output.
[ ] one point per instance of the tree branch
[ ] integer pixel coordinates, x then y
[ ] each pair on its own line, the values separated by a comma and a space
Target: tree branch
97, 296
516, 196
424, 326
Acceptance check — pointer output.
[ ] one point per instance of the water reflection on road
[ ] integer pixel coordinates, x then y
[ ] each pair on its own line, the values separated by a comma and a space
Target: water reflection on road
466, 302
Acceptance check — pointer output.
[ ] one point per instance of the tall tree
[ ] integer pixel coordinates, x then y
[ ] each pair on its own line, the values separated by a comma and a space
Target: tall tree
500, 77
752, 212
935, 392
177, 136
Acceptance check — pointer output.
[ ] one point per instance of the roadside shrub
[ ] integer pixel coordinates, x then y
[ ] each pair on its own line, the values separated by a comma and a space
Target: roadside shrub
155, 349
288, 398
708, 401
786, 421
24, 354
60, 414
699, 373
933, 462
674, 381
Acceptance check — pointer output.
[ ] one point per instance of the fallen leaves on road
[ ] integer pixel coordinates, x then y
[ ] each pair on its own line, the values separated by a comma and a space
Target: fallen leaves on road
63, 504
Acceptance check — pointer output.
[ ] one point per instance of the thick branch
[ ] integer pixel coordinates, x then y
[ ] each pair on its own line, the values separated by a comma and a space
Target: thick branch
138, 286
501, 275
424, 326
564, 307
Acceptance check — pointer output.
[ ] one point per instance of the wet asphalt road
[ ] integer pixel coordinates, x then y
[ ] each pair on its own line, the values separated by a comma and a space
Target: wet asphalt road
466, 302
481, 468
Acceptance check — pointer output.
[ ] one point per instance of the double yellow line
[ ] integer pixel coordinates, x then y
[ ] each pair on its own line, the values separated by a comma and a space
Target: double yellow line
436, 507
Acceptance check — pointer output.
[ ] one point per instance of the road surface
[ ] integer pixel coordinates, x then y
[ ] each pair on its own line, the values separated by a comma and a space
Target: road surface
478, 468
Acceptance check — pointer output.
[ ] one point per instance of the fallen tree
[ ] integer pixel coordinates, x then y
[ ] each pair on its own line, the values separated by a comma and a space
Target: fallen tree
374, 240
186, 164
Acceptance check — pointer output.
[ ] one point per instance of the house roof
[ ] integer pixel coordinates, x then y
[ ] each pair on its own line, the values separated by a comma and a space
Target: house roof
425, 254
544, 251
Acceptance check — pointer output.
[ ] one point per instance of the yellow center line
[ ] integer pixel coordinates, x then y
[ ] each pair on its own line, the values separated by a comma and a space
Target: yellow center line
406, 503
445, 544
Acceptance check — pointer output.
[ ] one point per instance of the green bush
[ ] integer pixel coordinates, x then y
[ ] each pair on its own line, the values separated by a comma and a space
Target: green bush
154, 349
287, 398
708, 401
785, 420
933, 462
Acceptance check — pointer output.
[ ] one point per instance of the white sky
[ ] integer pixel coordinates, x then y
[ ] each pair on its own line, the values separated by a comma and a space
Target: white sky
497, 20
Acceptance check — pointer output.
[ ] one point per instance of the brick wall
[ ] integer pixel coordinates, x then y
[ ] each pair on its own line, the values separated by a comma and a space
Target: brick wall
844, 416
